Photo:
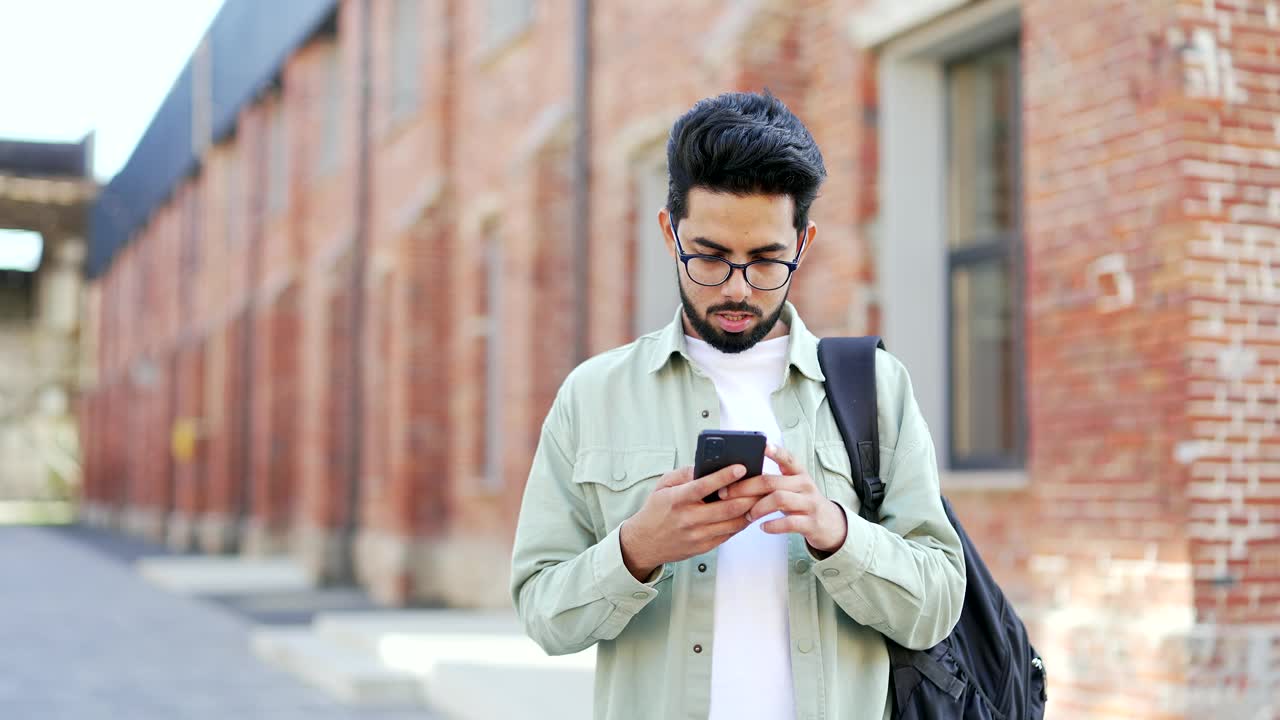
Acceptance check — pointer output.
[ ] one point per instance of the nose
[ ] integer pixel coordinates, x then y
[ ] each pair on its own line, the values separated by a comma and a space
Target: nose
736, 288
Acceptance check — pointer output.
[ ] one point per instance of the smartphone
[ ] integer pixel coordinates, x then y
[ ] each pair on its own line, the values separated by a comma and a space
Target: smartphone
718, 449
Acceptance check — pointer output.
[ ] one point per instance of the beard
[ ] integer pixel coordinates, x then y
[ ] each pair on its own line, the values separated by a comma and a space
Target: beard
727, 342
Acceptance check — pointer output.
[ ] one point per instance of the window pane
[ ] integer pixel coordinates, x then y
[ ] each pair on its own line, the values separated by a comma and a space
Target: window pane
983, 370
656, 295
278, 154
231, 193
492, 395
332, 108
405, 66
983, 116
507, 18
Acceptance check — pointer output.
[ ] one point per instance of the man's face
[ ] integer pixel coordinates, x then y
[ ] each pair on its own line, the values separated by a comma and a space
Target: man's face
734, 316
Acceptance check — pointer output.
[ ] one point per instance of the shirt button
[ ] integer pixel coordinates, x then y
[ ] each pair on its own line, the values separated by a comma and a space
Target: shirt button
793, 421
702, 567
706, 413
831, 572
697, 648
801, 567
620, 475
639, 596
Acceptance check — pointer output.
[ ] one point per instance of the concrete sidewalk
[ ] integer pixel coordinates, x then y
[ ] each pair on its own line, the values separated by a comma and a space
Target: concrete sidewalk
83, 636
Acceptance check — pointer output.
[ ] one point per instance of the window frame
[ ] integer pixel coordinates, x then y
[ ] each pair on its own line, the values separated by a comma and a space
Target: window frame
909, 237
1002, 246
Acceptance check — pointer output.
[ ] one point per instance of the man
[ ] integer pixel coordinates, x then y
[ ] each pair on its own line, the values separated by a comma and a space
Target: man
774, 601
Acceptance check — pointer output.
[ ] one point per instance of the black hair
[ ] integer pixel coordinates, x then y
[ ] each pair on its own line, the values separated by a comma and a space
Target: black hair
743, 144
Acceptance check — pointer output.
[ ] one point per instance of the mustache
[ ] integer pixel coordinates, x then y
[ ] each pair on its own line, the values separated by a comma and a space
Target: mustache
735, 308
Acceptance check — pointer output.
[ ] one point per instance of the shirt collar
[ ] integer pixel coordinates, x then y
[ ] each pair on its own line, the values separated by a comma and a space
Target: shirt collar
802, 353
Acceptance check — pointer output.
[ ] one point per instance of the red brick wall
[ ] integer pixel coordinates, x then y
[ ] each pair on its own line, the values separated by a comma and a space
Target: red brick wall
1107, 326
1142, 551
490, 144
1230, 147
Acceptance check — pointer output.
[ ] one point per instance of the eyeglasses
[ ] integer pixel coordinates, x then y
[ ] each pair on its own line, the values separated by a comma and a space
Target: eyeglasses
713, 270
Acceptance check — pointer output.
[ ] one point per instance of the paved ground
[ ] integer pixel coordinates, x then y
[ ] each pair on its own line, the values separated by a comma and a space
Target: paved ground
83, 637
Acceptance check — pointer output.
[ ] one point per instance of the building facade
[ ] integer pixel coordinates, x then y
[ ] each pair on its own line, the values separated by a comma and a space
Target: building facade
332, 328
45, 192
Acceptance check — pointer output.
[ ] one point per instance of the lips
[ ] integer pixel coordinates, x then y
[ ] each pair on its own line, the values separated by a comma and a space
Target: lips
733, 322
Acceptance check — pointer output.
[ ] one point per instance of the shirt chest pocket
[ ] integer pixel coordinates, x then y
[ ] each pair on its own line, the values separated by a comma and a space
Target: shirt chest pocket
616, 483
837, 474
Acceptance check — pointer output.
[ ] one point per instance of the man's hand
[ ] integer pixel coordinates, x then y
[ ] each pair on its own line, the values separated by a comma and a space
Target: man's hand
807, 510
675, 524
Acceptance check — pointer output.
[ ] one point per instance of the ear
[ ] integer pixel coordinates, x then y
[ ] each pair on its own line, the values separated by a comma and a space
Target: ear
669, 237
810, 235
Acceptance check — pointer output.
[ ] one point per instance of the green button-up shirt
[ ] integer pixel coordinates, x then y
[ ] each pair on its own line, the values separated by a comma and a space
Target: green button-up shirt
624, 418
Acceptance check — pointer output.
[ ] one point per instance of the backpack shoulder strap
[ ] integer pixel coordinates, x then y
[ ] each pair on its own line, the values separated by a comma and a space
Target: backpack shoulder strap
849, 365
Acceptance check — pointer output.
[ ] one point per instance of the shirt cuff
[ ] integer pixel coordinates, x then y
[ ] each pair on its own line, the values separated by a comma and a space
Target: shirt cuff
853, 559
616, 582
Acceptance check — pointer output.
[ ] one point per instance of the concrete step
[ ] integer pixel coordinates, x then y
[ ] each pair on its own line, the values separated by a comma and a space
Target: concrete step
473, 665
419, 641
467, 665
220, 575
345, 673
484, 691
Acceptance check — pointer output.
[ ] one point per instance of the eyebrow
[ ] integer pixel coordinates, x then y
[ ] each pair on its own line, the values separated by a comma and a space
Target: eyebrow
772, 247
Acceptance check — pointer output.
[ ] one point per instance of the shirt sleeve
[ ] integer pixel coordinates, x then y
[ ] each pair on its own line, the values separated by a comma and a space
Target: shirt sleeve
904, 576
569, 590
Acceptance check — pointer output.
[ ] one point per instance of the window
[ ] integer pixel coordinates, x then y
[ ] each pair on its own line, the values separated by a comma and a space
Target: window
983, 241
656, 293
948, 247
231, 192
20, 255
189, 258
278, 160
507, 18
489, 335
331, 110
406, 75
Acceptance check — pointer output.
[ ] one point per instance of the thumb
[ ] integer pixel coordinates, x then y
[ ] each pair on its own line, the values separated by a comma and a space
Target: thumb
787, 462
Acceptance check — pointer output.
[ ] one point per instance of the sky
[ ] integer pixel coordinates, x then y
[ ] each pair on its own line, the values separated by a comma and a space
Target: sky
70, 67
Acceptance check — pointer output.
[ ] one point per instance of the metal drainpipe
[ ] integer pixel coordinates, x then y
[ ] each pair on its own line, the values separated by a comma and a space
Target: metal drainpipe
581, 174
359, 251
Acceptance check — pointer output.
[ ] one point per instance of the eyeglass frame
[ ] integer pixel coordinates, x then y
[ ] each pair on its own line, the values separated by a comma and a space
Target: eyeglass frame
686, 257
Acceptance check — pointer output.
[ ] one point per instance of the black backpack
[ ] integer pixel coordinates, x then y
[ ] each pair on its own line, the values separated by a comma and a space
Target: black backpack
986, 668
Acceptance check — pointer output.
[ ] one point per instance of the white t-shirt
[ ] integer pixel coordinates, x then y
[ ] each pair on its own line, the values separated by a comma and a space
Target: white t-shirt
751, 647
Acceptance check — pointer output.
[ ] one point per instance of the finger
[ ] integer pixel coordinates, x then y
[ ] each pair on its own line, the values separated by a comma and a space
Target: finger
788, 502
786, 461
708, 513
708, 484
725, 528
760, 486
679, 476
788, 524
